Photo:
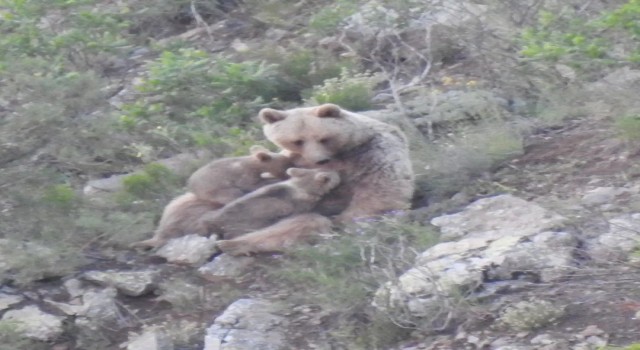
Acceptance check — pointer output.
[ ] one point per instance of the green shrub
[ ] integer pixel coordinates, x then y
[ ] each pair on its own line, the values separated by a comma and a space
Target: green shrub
351, 91
302, 69
530, 315
468, 153
193, 99
60, 196
327, 19
585, 42
51, 256
154, 181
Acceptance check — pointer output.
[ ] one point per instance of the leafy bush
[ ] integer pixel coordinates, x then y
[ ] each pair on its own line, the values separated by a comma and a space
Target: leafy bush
530, 315
351, 91
28, 262
154, 181
469, 153
585, 42
300, 70
193, 99
327, 19
60, 196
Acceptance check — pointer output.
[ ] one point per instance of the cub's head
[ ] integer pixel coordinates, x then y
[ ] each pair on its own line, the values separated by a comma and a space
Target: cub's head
317, 134
314, 181
276, 164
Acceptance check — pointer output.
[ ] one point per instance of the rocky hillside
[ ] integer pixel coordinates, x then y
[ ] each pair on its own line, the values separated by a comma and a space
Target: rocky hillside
524, 124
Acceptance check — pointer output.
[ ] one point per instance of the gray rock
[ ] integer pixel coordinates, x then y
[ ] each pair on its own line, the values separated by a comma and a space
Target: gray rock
226, 266
34, 323
96, 305
132, 283
190, 250
603, 195
151, 340
500, 238
73, 287
498, 216
248, 324
622, 239
100, 305
6, 300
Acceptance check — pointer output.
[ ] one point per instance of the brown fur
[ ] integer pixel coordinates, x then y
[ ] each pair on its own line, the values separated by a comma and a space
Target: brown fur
371, 157
278, 236
265, 206
224, 180
180, 217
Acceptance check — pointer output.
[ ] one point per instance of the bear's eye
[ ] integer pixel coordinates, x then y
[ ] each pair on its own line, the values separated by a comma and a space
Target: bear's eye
298, 142
325, 140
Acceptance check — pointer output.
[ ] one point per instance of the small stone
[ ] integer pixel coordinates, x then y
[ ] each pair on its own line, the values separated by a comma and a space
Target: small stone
590, 331
601, 195
542, 339
132, 283
190, 250
151, 340
226, 266
6, 300
73, 287
472, 339
597, 341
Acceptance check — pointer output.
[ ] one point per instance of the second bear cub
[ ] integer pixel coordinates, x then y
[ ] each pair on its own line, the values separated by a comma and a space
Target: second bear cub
265, 206
224, 180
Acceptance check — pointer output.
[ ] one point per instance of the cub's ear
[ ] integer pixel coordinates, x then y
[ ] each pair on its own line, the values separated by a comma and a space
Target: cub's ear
260, 153
326, 177
257, 148
328, 110
323, 178
270, 115
296, 172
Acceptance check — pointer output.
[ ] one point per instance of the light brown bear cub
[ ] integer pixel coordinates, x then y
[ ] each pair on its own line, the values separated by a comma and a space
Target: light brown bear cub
179, 218
224, 180
267, 205
211, 187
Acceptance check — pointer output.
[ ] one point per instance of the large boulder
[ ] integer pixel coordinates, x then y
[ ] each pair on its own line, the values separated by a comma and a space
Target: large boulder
497, 239
35, 323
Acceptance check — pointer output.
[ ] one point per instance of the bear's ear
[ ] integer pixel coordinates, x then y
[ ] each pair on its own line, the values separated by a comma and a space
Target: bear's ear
326, 177
322, 178
296, 172
270, 115
260, 153
328, 110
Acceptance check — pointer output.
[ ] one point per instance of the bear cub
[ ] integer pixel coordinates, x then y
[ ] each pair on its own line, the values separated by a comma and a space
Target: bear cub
179, 218
267, 205
224, 180
212, 187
